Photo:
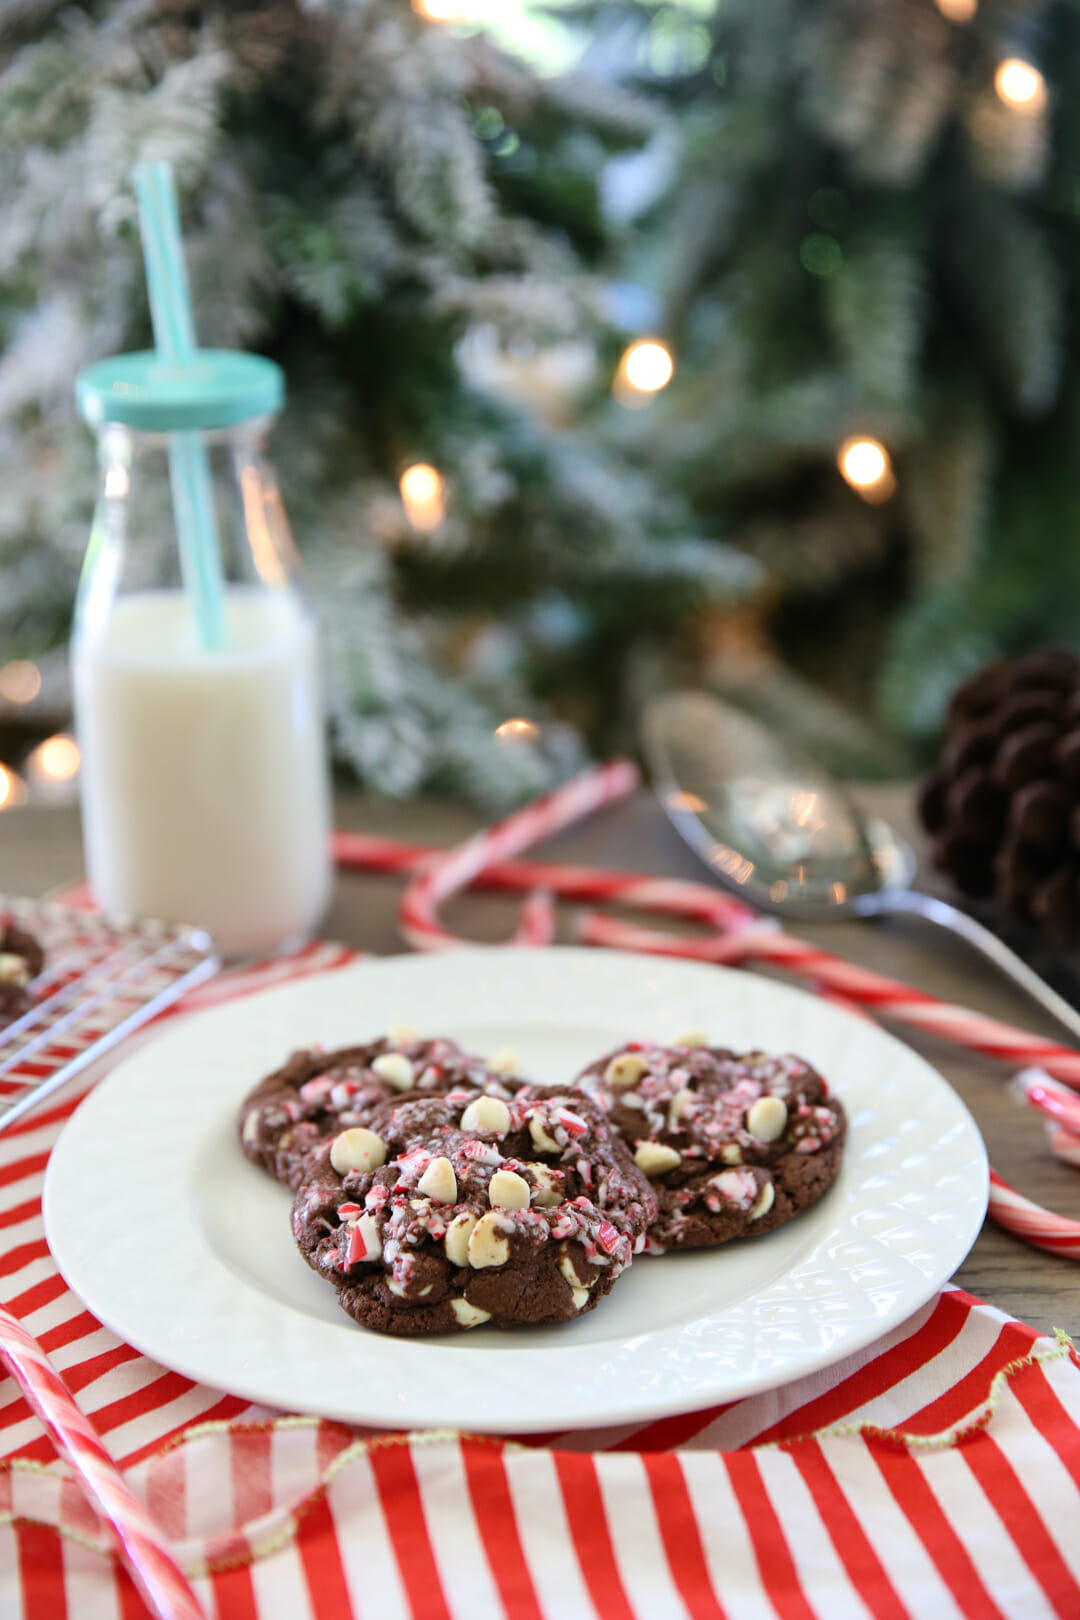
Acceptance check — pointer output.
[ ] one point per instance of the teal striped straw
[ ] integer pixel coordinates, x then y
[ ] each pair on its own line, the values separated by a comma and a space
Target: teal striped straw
174, 340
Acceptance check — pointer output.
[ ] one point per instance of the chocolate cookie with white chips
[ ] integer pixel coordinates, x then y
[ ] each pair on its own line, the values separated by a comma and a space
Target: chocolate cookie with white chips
21, 960
448, 1212
735, 1144
296, 1110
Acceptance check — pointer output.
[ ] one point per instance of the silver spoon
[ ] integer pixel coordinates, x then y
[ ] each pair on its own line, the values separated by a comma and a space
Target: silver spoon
775, 827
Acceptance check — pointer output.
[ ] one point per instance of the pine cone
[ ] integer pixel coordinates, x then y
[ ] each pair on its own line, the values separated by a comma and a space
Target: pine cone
1003, 808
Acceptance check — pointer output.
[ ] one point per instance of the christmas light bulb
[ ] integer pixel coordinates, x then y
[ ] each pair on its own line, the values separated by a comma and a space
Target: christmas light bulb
866, 466
20, 681
444, 11
12, 789
517, 729
56, 759
423, 496
1020, 85
957, 11
647, 366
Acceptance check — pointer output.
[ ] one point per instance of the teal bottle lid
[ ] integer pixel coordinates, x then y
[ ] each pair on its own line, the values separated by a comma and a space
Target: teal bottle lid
219, 388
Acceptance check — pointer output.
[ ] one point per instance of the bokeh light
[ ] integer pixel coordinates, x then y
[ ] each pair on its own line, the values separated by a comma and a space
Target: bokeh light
20, 681
958, 11
1020, 85
517, 729
423, 495
12, 789
56, 759
866, 466
647, 366
691, 802
821, 254
443, 11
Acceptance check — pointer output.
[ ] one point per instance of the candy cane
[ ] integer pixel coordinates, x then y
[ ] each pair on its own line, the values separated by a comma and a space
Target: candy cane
455, 870
1065, 1146
1031, 1222
536, 919
157, 1577
696, 901
1056, 1102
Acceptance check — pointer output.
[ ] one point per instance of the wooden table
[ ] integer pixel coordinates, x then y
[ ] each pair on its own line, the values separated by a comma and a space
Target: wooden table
40, 849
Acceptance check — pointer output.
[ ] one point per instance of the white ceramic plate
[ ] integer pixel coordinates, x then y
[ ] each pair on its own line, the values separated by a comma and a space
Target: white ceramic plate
183, 1248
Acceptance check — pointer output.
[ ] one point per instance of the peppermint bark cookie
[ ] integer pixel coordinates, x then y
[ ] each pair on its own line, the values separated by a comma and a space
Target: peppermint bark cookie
316, 1094
451, 1211
21, 960
735, 1144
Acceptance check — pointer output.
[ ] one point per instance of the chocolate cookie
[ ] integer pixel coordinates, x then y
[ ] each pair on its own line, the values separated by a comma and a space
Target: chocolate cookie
734, 1144
21, 960
316, 1094
448, 1211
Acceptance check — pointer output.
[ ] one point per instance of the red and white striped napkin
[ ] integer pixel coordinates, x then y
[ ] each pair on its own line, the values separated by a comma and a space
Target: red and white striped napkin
935, 1474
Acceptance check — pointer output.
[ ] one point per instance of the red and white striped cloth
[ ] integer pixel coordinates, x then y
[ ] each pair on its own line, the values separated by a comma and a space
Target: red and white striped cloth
935, 1474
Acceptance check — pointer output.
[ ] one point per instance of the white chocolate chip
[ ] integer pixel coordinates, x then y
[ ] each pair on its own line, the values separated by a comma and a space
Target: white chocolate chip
566, 1266
542, 1142
505, 1061
580, 1297
357, 1149
13, 969
468, 1315
251, 1125
456, 1241
548, 1190
731, 1153
767, 1118
692, 1037
487, 1245
439, 1182
678, 1105
508, 1190
401, 1035
399, 1289
765, 1201
486, 1114
656, 1157
624, 1071
395, 1067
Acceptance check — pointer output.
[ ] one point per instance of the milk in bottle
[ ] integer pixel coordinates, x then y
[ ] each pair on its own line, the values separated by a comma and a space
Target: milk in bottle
204, 777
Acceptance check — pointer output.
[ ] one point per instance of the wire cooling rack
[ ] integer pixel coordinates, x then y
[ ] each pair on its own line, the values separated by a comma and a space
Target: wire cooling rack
102, 978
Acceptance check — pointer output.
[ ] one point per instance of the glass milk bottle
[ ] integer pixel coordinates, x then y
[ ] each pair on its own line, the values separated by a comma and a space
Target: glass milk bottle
195, 670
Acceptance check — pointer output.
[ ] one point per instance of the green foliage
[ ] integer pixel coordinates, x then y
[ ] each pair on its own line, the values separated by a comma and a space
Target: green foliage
1026, 590
862, 238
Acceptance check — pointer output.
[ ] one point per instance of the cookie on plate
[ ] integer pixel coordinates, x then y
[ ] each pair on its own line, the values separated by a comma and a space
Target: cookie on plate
449, 1211
735, 1144
21, 960
316, 1094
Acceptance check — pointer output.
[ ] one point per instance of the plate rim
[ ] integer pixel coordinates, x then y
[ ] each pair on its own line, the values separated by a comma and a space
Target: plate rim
641, 1409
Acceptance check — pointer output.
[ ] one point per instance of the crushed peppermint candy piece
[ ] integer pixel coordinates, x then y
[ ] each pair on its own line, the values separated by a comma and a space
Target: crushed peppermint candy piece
607, 1237
364, 1241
